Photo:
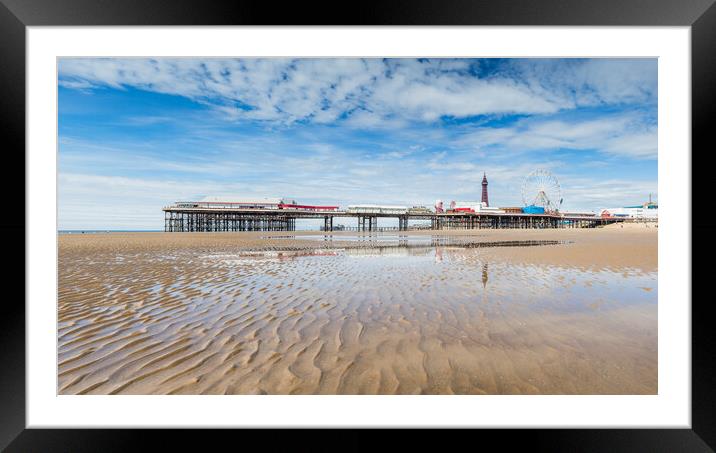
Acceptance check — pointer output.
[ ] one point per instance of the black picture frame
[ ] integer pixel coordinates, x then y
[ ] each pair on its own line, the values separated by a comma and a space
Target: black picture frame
16, 15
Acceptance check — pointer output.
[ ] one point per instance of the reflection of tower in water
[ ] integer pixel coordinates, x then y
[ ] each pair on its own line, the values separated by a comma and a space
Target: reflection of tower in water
484, 284
438, 255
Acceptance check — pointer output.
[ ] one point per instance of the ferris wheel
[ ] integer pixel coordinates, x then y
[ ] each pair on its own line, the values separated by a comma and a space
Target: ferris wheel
540, 188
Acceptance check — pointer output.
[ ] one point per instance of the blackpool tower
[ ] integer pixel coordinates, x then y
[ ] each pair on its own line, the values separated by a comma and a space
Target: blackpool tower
484, 189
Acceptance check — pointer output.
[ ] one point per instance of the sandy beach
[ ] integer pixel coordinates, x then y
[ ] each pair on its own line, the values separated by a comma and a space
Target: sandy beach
555, 311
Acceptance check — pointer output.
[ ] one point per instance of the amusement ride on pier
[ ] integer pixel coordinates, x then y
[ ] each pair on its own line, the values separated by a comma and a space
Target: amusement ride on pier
541, 195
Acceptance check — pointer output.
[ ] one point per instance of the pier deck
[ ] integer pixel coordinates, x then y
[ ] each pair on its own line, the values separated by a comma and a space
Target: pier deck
181, 219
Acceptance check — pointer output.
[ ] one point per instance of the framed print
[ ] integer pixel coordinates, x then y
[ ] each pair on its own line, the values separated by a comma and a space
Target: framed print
399, 224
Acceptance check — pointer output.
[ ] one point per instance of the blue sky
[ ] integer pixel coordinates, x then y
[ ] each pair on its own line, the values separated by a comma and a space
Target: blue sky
139, 134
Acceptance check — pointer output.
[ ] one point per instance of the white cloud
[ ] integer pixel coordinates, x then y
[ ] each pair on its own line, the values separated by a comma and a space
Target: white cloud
76, 84
367, 93
593, 81
622, 134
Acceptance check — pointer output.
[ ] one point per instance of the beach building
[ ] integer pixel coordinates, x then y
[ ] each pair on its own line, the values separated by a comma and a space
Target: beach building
647, 211
512, 209
478, 207
632, 212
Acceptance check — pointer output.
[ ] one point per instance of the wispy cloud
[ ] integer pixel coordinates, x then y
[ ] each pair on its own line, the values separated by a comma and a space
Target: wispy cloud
368, 92
619, 134
589, 82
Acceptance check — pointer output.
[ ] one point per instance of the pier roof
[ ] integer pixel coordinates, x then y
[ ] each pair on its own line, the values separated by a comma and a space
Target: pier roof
240, 199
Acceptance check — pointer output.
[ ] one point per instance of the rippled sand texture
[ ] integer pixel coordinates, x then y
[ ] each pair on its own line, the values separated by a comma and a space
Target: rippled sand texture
155, 313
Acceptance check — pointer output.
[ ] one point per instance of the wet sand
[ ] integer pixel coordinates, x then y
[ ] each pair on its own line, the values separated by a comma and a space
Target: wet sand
426, 313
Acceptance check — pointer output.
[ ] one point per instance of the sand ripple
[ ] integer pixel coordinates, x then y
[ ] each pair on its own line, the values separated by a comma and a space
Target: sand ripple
340, 320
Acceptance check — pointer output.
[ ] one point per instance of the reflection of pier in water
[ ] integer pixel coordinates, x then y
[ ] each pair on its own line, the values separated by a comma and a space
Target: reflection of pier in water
401, 248
374, 246
404, 248
276, 255
384, 241
388, 250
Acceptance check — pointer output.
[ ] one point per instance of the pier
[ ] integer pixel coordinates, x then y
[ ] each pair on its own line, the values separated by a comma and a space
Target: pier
200, 219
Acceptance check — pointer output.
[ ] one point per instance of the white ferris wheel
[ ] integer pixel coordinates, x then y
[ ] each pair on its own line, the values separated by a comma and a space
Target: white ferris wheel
540, 188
